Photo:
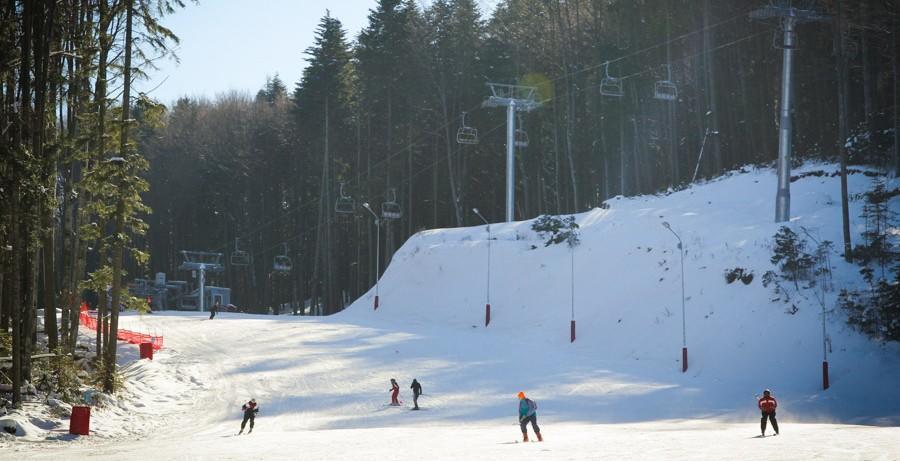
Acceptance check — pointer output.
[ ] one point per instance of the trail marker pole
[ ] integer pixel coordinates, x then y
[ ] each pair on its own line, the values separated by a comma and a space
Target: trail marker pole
487, 305
684, 350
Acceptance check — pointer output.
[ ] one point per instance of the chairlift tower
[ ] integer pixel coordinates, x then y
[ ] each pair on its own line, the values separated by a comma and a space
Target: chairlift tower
516, 98
789, 13
202, 262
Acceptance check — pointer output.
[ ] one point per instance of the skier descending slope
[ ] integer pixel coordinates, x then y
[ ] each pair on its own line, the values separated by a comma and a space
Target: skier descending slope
395, 391
250, 410
417, 391
767, 404
528, 412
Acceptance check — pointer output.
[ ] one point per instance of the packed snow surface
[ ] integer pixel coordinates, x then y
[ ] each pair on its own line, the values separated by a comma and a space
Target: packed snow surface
617, 392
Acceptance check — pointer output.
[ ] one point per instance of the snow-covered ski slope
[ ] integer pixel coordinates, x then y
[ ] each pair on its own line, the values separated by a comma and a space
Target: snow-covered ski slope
617, 392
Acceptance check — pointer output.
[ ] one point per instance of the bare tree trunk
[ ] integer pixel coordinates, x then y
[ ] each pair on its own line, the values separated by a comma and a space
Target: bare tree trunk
867, 68
895, 27
48, 243
16, 298
118, 246
21, 231
622, 189
570, 127
452, 173
842, 92
710, 84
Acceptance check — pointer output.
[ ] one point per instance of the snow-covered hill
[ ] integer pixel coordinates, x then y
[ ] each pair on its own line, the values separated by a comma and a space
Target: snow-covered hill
617, 391
628, 305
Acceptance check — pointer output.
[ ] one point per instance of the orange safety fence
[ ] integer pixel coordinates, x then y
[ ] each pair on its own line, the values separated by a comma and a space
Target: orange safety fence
89, 320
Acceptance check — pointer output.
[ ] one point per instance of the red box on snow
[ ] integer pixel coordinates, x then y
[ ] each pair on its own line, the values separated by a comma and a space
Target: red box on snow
146, 351
80, 422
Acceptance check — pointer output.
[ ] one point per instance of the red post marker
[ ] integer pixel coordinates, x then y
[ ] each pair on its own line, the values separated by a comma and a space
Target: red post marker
825, 375
376, 302
487, 314
572, 340
684, 362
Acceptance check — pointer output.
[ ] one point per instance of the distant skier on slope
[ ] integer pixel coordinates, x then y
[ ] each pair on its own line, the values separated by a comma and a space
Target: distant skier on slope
528, 412
250, 410
213, 310
395, 391
767, 404
417, 391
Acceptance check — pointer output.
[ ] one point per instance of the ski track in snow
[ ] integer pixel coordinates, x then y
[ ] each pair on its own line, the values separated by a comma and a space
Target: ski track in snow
616, 393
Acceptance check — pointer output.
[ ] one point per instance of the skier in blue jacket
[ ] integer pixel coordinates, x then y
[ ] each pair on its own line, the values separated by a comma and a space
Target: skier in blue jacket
528, 413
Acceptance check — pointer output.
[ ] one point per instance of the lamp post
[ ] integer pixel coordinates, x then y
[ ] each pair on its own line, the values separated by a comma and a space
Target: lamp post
684, 351
377, 249
487, 305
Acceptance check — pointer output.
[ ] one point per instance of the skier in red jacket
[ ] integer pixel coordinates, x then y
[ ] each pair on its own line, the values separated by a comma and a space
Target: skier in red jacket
395, 391
767, 404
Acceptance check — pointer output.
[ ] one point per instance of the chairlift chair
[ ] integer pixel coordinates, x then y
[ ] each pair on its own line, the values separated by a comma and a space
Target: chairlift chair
344, 204
651, 128
239, 257
391, 209
520, 137
779, 42
666, 90
282, 262
611, 86
466, 134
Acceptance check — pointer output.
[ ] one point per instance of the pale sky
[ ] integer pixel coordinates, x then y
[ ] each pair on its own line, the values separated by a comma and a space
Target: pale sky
234, 44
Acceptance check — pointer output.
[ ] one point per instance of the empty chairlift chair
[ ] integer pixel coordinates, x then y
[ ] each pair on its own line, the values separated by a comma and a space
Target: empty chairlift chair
611, 86
239, 257
466, 134
282, 262
666, 90
391, 209
344, 204
521, 136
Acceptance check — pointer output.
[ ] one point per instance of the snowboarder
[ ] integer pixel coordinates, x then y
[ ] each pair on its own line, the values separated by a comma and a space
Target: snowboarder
417, 391
528, 412
250, 410
395, 391
767, 404
213, 310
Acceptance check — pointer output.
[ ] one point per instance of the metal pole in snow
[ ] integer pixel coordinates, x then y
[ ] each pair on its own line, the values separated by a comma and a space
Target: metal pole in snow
377, 250
202, 285
510, 161
377, 258
684, 351
487, 305
572, 326
783, 196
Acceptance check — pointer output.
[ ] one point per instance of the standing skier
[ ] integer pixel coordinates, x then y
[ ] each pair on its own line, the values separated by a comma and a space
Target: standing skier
395, 391
213, 310
417, 391
528, 412
767, 404
250, 410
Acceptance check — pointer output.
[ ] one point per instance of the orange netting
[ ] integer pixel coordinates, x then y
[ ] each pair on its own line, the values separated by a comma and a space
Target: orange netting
89, 320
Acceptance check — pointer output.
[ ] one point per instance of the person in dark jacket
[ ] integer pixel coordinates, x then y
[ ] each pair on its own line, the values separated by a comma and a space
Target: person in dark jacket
417, 391
250, 410
528, 413
395, 391
767, 405
213, 310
